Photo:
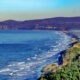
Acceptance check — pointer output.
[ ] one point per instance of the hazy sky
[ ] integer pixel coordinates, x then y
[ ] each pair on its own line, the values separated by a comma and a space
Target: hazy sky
37, 9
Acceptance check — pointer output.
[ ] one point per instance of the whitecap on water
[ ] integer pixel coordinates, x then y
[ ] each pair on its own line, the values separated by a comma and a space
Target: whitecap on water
28, 69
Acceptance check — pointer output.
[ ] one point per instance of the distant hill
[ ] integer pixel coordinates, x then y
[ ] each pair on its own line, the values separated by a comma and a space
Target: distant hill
58, 23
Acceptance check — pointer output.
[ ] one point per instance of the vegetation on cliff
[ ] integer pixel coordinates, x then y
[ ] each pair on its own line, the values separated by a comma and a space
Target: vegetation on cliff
70, 71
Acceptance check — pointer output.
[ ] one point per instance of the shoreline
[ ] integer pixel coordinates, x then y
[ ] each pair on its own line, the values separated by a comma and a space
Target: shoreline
54, 66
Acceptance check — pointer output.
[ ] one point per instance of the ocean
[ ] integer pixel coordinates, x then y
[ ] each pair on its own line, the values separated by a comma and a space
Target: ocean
24, 53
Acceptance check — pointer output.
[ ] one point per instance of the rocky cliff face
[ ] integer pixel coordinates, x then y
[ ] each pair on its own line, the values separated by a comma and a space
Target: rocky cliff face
59, 23
70, 54
70, 69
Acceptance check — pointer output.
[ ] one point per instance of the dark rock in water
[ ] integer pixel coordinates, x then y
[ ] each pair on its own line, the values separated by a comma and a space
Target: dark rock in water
60, 60
62, 52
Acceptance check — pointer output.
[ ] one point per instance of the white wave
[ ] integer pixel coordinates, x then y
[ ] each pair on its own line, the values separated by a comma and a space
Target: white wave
29, 68
28, 58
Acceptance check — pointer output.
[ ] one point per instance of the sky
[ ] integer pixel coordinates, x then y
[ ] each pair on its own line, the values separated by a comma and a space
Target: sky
38, 9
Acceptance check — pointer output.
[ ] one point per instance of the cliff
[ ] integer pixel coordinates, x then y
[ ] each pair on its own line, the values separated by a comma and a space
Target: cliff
70, 68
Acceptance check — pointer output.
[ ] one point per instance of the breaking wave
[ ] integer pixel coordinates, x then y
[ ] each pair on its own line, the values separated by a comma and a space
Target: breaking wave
30, 68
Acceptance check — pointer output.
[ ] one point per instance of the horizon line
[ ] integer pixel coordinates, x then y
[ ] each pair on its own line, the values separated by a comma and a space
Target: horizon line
38, 19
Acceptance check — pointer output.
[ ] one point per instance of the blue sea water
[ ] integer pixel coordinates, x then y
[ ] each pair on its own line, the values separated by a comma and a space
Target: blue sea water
24, 53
